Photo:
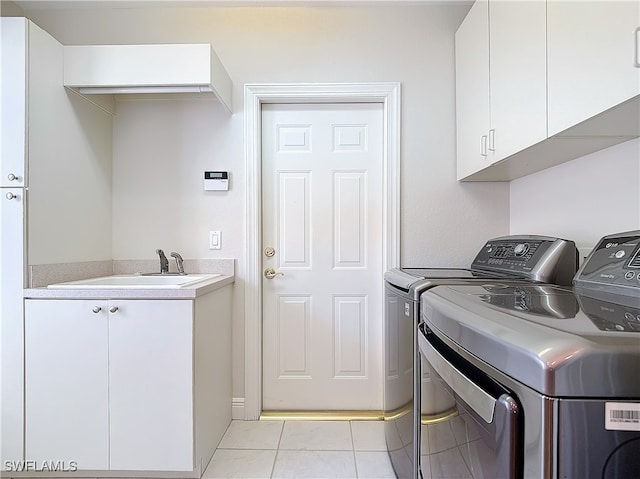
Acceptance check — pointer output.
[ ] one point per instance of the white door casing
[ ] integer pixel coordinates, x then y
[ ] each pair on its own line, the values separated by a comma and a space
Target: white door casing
322, 218
255, 96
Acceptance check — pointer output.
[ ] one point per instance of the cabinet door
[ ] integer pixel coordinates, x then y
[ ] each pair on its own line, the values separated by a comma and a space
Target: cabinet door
591, 56
151, 385
517, 76
12, 274
13, 101
472, 90
66, 387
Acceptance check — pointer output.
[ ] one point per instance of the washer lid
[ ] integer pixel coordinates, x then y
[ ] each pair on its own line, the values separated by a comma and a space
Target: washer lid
546, 337
405, 277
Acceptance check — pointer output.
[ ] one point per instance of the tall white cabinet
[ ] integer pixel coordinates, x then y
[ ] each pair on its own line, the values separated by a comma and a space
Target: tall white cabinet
54, 147
14, 33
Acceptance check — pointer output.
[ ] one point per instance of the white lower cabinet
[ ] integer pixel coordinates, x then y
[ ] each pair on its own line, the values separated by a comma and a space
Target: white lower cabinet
151, 385
67, 382
110, 383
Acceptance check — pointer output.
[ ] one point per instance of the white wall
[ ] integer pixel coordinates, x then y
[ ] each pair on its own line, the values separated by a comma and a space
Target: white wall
162, 148
410, 44
70, 154
582, 200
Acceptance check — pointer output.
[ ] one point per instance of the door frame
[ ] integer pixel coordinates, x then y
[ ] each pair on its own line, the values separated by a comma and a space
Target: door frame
255, 95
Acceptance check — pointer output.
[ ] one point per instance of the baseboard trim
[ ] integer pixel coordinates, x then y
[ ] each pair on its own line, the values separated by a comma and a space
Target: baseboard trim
237, 408
322, 416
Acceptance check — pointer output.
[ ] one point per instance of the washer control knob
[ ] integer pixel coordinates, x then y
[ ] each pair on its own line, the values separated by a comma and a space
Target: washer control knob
521, 249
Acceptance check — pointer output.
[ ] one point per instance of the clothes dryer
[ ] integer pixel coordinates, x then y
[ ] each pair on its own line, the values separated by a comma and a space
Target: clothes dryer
505, 260
544, 378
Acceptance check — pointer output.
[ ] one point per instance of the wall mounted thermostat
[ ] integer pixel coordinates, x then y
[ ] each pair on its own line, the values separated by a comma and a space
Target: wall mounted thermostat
216, 181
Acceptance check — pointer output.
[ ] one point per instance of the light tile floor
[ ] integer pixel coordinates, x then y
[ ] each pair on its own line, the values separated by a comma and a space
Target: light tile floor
302, 449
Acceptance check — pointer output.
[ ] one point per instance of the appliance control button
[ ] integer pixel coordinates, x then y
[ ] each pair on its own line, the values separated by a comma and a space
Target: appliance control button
629, 275
620, 254
521, 249
638, 277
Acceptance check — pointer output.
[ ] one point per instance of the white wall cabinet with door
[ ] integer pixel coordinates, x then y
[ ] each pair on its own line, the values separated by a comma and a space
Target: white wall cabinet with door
125, 385
594, 61
500, 82
563, 81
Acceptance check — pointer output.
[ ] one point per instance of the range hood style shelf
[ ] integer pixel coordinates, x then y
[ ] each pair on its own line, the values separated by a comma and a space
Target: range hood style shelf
146, 69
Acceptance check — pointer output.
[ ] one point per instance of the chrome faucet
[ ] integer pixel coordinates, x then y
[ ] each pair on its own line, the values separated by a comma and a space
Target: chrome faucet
164, 262
179, 264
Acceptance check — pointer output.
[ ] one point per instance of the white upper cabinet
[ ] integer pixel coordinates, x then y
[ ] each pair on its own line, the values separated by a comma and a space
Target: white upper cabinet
120, 69
517, 76
13, 101
472, 90
500, 82
593, 59
563, 81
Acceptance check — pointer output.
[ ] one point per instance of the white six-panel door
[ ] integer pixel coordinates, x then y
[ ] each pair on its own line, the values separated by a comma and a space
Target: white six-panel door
322, 216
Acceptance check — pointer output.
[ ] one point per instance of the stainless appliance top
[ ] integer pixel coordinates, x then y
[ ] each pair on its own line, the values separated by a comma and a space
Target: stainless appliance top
559, 341
519, 257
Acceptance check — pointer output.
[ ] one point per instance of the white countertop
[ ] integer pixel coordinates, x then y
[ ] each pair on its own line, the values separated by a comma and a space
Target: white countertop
187, 292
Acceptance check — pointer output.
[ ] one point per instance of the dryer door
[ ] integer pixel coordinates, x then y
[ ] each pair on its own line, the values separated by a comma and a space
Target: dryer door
482, 436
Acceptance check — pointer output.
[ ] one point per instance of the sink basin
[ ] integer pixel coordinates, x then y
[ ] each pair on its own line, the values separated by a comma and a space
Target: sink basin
136, 282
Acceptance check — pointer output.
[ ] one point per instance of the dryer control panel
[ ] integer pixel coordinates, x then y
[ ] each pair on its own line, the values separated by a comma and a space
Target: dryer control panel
536, 258
613, 265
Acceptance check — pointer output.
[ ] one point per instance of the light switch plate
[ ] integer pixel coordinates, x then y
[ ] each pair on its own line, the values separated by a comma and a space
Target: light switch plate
215, 240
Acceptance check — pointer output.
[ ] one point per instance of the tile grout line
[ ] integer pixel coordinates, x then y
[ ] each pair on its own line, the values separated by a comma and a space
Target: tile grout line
353, 449
275, 458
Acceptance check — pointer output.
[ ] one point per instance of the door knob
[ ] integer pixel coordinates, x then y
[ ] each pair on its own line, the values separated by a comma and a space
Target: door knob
271, 273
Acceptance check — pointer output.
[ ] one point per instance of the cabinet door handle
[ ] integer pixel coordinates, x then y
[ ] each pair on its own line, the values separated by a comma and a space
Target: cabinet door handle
492, 140
483, 145
636, 48
96, 309
113, 309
